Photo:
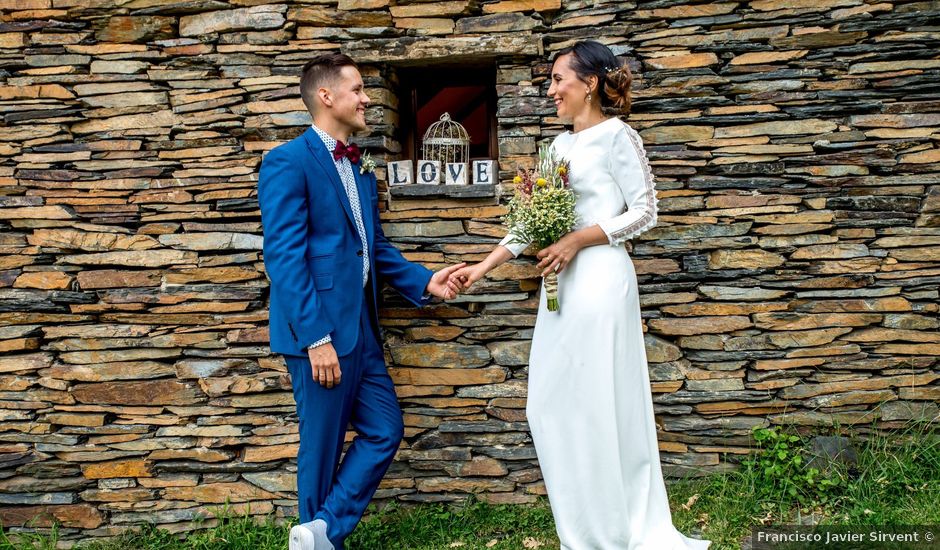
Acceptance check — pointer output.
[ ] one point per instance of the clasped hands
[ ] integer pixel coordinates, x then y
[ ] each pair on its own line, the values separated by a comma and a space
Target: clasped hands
442, 283
554, 257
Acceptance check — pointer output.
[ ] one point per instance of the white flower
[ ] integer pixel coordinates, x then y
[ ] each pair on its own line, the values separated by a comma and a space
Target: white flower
367, 164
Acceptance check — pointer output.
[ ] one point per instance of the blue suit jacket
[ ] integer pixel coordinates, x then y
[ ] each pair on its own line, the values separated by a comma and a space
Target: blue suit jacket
313, 253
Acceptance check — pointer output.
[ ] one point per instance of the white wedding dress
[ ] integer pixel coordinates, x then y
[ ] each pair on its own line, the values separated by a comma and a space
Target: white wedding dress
589, 406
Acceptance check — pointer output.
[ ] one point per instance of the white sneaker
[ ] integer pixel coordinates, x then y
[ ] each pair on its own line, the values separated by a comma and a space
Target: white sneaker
310, 536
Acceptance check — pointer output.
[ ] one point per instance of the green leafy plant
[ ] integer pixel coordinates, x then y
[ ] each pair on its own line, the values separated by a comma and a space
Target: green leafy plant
780, 470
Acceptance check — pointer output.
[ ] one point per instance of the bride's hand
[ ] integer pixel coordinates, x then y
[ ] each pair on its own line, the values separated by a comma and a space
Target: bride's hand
557, 256
465, 277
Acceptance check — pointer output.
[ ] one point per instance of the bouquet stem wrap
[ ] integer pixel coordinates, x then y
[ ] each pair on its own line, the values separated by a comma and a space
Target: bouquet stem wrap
551, 290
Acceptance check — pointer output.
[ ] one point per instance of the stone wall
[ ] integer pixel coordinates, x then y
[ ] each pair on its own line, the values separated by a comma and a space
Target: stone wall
793, 278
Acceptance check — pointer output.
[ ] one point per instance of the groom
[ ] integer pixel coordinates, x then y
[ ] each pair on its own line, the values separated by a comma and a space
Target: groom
324, 251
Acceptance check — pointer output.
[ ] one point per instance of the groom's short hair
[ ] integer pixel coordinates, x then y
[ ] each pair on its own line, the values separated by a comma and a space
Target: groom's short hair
322, 70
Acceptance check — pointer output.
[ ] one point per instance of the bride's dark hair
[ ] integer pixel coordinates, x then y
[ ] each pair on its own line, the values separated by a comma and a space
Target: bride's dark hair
589, 58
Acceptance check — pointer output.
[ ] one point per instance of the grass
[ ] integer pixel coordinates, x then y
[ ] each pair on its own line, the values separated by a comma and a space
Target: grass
470, 526
897, 481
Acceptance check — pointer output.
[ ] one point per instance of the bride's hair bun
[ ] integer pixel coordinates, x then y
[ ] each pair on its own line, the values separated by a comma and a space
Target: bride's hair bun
590, 58
617, 88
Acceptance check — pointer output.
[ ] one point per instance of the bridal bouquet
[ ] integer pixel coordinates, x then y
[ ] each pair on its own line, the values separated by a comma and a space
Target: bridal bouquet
542, 209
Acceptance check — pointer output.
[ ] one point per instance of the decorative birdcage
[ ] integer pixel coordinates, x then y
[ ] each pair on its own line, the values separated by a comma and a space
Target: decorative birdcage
446, 141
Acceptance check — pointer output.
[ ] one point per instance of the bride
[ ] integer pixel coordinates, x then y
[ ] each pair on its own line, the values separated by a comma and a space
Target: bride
589, 407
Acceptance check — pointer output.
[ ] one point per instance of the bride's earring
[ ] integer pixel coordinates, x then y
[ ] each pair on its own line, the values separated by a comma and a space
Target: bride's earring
588, 98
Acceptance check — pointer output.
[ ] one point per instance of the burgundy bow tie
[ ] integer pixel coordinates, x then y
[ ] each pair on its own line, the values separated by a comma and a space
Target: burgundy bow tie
350, 151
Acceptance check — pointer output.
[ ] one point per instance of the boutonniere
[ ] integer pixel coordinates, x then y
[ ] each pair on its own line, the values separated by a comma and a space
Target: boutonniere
368, 164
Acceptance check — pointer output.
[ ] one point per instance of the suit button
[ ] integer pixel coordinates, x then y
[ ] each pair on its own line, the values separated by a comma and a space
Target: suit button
358, 253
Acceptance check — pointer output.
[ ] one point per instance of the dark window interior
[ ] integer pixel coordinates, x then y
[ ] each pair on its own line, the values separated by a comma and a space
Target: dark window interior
467, 93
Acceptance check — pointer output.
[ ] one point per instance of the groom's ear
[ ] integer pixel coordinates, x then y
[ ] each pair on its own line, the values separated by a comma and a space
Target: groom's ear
325, 96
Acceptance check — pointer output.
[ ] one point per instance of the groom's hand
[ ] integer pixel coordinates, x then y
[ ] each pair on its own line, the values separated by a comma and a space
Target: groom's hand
466, 276
325, 365
441, 285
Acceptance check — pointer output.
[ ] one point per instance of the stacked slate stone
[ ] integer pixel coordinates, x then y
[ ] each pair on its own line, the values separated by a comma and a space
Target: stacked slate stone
793, 278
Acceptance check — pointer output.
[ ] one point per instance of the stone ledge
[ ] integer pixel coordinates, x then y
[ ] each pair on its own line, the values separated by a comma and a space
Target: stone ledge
417, 190
420, 51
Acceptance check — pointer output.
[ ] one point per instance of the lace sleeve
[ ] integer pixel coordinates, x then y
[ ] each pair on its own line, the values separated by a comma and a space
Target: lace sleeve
515, 247
631, 171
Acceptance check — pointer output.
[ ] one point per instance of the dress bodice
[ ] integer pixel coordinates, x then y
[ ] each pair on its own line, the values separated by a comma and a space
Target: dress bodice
611, 176
609, 173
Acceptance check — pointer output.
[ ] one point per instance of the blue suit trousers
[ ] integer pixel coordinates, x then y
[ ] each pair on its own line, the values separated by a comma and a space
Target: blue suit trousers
338, 491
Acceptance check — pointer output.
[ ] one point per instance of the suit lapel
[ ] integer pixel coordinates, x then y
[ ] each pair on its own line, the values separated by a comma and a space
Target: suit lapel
325, 160
365, 199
